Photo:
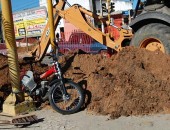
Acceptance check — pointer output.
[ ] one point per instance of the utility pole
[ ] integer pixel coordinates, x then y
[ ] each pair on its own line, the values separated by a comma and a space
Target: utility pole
15, 103
12, 50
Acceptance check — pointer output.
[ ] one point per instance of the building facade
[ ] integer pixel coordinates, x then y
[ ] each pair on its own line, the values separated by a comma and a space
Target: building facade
30, 22
60, 27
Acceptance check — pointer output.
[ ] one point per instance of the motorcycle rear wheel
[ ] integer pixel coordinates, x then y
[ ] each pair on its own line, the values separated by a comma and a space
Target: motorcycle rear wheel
66, 105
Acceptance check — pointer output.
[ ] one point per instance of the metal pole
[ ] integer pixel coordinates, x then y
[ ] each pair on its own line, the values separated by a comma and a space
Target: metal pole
101, 13
12, 50
109, 11
51, 22
26, 40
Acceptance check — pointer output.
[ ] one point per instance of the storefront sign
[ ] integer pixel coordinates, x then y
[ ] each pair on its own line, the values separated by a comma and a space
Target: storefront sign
30, 23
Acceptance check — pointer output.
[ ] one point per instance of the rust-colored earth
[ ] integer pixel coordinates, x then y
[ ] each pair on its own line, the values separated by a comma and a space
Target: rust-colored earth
132, 82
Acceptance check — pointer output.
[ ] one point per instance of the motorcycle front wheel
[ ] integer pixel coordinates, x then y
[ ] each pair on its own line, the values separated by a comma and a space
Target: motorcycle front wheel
66, 104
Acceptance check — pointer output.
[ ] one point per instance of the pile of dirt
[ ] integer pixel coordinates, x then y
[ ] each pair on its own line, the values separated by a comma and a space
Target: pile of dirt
132, 82
3, 70
5, 87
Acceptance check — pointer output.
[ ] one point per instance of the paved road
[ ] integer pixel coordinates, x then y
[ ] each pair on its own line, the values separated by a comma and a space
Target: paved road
52, 120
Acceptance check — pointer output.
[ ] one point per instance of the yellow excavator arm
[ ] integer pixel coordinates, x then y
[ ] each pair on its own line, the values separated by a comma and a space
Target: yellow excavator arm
76, 15
42, 47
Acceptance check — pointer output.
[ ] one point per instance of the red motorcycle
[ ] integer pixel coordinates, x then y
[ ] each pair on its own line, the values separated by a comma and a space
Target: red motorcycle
65, 96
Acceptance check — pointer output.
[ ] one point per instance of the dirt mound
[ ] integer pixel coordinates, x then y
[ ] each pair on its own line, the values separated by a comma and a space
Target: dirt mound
3, 70
132, 82
5, 87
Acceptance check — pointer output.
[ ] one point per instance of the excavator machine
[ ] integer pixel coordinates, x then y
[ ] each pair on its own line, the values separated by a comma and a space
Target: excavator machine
79, 16
152, 26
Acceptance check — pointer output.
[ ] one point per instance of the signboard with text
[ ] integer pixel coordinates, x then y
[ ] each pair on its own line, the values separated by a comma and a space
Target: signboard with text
30, 23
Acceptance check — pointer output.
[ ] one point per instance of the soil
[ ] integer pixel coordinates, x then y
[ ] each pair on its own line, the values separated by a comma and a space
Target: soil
131, 82
5, 85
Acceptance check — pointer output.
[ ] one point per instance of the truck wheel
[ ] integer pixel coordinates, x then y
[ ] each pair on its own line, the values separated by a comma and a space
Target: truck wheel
155, 36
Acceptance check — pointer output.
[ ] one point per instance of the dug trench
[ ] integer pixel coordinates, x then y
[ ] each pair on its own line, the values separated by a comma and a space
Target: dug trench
131, 82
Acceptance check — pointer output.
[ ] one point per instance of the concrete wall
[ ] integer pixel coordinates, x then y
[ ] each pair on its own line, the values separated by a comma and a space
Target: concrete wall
68, 27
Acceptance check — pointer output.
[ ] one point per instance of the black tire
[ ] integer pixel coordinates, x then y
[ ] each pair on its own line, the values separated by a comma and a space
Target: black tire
155, 36
57, 102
